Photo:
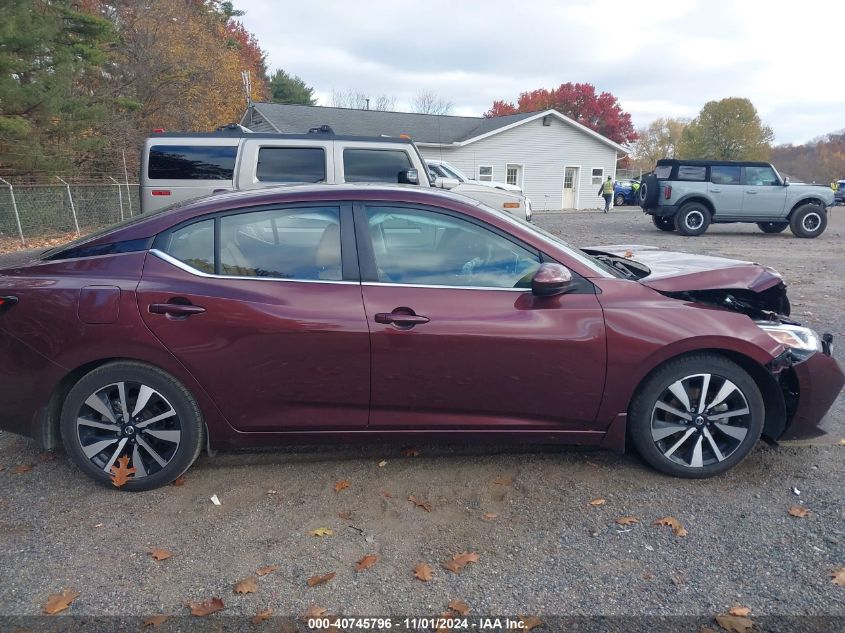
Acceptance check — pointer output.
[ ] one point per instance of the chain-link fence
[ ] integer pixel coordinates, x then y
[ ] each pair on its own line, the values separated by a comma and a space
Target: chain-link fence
34, 213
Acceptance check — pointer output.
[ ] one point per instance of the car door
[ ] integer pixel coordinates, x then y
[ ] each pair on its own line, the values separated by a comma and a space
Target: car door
764, 194
264, 308
458, 339
725, 189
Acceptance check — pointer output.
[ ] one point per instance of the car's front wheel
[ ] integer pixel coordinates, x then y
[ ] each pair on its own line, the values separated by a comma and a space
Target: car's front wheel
808, 220
131, 410
619, 200
692, 219
664, 224
773, 227
696, 416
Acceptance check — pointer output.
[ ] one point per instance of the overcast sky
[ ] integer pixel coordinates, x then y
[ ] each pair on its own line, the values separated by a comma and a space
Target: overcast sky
660, 58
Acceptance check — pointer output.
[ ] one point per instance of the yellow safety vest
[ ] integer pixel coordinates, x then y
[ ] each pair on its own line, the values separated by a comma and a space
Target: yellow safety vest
607, 187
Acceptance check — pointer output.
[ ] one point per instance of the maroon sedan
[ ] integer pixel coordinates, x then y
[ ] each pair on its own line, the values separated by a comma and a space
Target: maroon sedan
303, 313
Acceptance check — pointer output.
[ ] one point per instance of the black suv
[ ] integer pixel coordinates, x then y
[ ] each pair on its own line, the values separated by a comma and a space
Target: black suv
688, 195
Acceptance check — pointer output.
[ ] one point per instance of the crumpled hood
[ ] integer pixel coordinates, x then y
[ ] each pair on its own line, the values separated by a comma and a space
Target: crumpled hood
677, 272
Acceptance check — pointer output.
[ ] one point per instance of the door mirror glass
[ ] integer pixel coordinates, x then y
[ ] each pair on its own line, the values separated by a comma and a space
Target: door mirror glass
446, 183
409, 177
551, 279
786, 182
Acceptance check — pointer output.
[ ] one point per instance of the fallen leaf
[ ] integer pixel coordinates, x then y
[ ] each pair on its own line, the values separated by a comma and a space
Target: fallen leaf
420, 503
598, 502
202, 609
46, 456
838, 576
122, 472
160, 554
98, 525
272, 492
60, 601
269, 569
798, 511
247, 585
409, 451
648, 575
734, 624
315, 612
672, 522
629, 254
180, 480
503, 480
627, 520
155, 621
459, 561
460, 607
531, 622
740, 611
343, 484
258, 618
320, 580
321, 531
346, 515
21, 468
382, 463
365, 563
386, 494
423, 572
489, 516
706, 629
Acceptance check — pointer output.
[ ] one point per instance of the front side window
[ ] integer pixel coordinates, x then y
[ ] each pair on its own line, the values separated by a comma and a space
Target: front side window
485, 173
597, 176
761, 176
191, 162
419, 247
692, 172
725, 175
291, 164
375, 165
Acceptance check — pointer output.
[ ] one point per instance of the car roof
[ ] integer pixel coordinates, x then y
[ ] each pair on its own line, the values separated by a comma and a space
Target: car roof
705, 163
321, 136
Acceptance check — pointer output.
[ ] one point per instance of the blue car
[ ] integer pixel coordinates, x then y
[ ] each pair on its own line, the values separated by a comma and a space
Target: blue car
623, 193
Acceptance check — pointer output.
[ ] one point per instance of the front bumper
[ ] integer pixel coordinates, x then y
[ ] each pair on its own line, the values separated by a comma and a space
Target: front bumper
816, 384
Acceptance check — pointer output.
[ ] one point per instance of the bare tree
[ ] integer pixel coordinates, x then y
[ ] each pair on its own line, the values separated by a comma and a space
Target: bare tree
427, 102
352, 98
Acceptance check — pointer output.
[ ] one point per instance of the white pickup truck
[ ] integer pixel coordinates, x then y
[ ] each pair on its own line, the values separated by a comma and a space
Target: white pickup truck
181, 166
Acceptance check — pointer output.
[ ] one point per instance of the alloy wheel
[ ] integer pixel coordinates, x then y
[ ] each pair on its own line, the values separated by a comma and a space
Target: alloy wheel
700, 420
694, 220
131, 419
811, 222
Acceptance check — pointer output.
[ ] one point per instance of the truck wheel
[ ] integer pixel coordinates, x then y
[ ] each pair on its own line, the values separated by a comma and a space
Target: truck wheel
808, 220
773, 227
692, 219
664, 224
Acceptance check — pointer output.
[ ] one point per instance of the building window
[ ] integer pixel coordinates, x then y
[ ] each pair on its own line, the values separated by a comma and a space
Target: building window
485, 172
598, 175
513, 175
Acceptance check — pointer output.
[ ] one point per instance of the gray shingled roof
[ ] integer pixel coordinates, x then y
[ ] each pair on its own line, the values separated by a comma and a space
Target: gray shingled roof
423, 128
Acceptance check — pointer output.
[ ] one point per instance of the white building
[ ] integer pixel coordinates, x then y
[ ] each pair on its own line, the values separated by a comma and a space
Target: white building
559, 163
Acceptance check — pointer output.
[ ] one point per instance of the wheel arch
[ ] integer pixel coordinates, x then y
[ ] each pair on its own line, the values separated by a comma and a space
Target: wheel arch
808, 200
697, 197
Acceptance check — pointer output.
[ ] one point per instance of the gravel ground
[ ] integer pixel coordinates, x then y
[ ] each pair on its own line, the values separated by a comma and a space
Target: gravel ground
546, 552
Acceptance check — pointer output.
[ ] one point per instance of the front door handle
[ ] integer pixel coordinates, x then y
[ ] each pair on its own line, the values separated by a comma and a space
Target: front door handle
401, 319
752, 192
715, 191
176, 309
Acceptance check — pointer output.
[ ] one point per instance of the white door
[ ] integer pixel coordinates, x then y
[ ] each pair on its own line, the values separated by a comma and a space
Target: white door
570, 181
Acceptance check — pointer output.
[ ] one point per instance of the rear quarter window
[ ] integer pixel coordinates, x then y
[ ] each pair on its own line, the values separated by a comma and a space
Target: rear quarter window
663, 172
192, 162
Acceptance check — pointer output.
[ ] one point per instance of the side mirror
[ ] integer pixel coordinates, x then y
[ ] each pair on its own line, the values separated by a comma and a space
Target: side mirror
446, 183
551, 279
409, 177
786, 182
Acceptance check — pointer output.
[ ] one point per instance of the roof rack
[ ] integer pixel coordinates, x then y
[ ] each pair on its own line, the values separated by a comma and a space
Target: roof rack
322, 129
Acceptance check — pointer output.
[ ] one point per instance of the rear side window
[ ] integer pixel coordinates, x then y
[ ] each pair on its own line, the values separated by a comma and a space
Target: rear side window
374, 165
725, 175
291, 164
692, 172
662, 172
192, 162
194, 245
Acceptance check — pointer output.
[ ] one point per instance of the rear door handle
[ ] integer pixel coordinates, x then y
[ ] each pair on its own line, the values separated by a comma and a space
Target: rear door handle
401, 319
752, 192
176, 309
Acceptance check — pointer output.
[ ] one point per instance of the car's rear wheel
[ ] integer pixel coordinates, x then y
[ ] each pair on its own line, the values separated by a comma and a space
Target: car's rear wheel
696, 416
664, 224
692, 219
619, 200
773, 227
133, 410
808, 220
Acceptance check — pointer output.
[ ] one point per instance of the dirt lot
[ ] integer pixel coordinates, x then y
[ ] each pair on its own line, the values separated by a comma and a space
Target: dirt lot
546, 552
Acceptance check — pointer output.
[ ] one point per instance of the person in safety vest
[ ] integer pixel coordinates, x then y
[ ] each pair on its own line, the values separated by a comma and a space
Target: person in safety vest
606, 192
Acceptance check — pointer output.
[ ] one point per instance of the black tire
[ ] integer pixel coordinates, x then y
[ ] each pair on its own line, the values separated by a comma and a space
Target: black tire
664, 224
645, 427
808, 221
146, 443
619, 200
692, 219
773, 227
648, 193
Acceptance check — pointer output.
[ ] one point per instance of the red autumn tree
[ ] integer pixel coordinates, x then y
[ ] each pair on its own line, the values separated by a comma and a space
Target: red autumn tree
599, 112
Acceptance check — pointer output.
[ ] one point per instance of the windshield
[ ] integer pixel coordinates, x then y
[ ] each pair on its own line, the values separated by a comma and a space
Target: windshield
453, 172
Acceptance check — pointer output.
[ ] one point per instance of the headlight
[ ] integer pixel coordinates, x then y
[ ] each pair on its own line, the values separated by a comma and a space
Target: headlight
793, 336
